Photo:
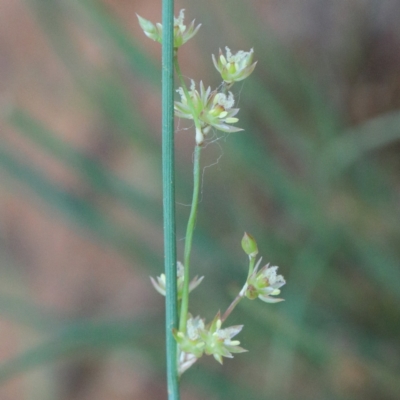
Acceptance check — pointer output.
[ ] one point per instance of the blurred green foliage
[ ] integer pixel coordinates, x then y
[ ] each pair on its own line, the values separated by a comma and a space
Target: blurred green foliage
316, 191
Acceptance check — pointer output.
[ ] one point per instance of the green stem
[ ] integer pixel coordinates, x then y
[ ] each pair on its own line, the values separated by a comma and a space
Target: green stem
169, 197
232, 306
252, 261
189, 238
195, 200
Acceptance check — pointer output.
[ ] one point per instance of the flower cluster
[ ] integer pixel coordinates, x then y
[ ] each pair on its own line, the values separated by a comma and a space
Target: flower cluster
213, 108
209, 108
160, 284
264, 284
181, 34
211, 340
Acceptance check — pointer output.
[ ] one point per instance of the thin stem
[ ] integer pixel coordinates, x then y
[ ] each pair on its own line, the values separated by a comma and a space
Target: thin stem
232, 306
252, 261
169, 196
226, 86
193, 211
189, 238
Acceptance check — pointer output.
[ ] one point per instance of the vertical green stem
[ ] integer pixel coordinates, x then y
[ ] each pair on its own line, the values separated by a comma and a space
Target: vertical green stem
189, 238
169, 195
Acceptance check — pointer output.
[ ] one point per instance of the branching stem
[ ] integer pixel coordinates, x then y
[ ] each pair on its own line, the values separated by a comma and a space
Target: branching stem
232, 305
189, 238
193, 211
252, 261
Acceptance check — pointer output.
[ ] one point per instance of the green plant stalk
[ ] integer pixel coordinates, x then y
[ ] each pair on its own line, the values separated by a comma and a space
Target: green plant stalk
232, 306
189, 239
168, 175
193, 211
235, 302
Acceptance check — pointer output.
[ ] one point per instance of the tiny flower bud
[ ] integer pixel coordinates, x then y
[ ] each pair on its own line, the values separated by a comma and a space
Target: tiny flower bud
150, 30
249, 245
181, 33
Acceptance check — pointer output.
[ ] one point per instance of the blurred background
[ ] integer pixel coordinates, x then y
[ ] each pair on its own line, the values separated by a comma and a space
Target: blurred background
314, 177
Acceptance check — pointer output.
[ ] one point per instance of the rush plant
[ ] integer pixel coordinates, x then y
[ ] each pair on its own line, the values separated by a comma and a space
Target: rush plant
209, 109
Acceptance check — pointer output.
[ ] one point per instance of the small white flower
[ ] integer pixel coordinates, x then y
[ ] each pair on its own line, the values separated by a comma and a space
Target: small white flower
181, 34
264, 284
194, 327
219, 343
234, 67
192, 340
160, 284
210, 108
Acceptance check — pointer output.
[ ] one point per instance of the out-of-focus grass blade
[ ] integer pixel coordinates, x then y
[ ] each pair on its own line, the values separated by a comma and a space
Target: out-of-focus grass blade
304, 206
357, 142
380, 264
315, 346
105, 92
216, 383
288, 76
24, 312
92, 171
140, 62
77, 338
262, 166
287, 99
100, 337
98, 176
78, 210
113, 100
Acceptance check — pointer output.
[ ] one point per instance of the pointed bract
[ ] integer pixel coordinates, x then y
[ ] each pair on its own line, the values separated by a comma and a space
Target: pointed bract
150, 30
186, 360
